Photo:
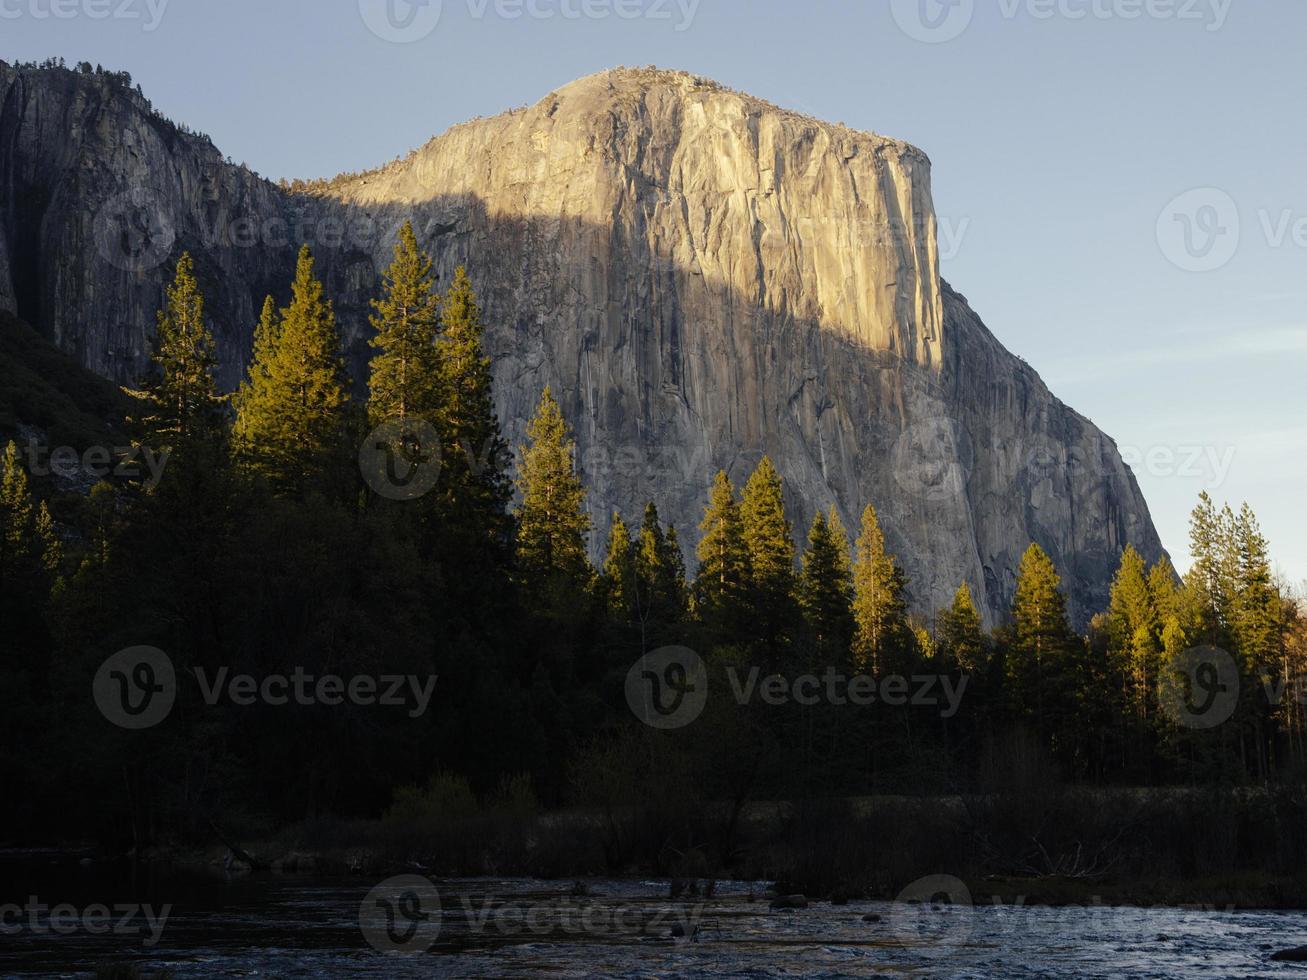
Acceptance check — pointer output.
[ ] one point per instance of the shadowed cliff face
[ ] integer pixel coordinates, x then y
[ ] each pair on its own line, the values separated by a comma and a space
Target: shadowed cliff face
702, 277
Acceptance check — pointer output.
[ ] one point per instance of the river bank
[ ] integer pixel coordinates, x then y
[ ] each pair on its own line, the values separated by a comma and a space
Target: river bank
1239, 849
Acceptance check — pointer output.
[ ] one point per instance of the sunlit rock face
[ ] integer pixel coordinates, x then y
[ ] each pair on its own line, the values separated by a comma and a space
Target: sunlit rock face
703, 278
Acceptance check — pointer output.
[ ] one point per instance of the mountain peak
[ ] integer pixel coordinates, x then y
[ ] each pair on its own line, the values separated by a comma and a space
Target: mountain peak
624, 83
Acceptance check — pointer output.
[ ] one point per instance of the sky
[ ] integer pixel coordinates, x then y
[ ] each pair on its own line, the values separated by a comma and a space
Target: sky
1120, 183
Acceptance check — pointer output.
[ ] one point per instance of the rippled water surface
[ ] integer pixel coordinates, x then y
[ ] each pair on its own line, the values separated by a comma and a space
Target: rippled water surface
269, 926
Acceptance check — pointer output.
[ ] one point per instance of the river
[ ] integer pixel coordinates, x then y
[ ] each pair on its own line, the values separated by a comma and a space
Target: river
289, 926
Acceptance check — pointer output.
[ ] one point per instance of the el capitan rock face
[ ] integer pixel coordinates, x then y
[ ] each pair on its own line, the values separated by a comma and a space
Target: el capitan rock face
702, 277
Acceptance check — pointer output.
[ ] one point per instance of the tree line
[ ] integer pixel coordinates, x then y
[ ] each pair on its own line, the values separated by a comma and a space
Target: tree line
262, 549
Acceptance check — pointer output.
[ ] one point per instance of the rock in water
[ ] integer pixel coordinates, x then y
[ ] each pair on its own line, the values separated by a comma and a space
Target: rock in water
701, 276
789, 903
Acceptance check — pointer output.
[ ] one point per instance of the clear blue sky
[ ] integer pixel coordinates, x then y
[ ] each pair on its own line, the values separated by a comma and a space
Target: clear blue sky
1061, 131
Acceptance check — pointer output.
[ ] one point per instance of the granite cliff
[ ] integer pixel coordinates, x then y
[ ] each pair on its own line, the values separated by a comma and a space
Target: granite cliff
701, 276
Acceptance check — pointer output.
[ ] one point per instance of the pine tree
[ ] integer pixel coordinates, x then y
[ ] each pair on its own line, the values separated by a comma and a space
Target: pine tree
17, 514
1134, 631
1257, 611
52, 548
722, 580
962, 632
183, 402
405, 371
619, 577
476, 459
1037, 663
1259, 626
1213, 576
769, 538
23, 587
660, 571
879, 607
552, 524
674, 562
767, 531
1163, 592
826, 587
291, 415
265, 338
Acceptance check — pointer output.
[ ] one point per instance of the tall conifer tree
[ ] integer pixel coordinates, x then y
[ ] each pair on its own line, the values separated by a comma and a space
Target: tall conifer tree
17, 512
182, 397
879, 605
620, 584
1134, 631
962, 632
475, 459
660, 570
826, 588
722, 580
769, 538
552, 523
405, 371
1038, 664
291, 415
